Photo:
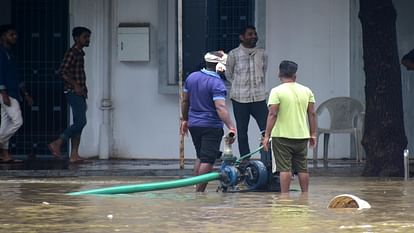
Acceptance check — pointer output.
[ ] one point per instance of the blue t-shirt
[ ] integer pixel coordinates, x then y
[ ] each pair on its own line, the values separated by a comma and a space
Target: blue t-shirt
8, 73
203, 88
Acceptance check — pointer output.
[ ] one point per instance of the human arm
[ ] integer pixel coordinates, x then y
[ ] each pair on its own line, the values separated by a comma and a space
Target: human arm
312, 124
408, 60
185, 104
223, 114
3, 89
265, 61
270, 123
230, 63
409, 64
66, 73
25, 93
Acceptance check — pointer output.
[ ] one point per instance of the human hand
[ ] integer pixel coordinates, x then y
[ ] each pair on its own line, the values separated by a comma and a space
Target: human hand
220, 67
6, 98
312, 142
231, 136
184, 128
29, 99
79, 90
265, 143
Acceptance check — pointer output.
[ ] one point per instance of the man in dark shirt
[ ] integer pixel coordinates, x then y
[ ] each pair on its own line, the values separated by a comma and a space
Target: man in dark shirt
10, 91
73, 73
408, 60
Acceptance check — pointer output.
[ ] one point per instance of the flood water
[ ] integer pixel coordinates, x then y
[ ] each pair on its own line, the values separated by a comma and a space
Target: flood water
40, 205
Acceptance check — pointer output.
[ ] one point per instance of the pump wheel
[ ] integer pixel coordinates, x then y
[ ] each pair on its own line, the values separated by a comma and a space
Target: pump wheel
256, 175
229, 176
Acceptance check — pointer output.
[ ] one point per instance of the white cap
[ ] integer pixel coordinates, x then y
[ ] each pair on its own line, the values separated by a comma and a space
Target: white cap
216, 57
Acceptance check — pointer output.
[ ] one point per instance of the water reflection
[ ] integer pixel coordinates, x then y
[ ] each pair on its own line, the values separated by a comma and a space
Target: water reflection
40, 205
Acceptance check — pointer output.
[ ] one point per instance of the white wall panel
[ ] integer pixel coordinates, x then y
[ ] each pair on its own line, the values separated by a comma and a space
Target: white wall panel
145, 124
315, 34
91, 14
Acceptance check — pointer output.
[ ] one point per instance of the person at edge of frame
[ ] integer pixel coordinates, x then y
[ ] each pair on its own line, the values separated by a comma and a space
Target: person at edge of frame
11, 91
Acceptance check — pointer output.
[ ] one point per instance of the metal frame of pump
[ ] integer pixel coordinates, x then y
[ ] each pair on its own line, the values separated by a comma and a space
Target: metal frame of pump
256, 175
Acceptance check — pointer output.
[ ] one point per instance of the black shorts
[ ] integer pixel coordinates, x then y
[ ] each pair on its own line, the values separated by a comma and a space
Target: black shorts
207, 142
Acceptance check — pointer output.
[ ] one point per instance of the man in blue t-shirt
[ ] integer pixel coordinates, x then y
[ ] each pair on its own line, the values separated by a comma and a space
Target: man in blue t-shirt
203, 109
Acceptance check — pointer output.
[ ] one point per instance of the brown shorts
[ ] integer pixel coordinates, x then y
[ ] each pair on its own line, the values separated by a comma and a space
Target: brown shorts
290, 154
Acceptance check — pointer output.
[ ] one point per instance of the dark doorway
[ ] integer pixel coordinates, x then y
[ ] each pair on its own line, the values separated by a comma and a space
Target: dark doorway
42, 27
212, 25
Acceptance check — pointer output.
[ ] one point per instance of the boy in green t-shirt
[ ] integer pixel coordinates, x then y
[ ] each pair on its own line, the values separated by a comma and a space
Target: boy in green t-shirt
291, 123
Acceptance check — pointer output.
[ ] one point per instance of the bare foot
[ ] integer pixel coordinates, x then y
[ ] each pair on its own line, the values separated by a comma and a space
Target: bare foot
11, 160
76, 159
55, 150
5, 156
6, 159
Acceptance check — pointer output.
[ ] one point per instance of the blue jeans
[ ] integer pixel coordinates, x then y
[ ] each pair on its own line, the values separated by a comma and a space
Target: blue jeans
78, 105
242, 112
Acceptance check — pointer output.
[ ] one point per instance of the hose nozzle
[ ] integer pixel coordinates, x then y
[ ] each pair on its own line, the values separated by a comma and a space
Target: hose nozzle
230, 137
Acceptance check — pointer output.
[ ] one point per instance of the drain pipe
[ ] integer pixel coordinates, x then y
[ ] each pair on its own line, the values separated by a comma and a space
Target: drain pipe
406, 164
106, 102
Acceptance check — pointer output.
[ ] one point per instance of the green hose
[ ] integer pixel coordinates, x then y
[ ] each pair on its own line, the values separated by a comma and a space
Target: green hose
161, 185
248, 155
152, 186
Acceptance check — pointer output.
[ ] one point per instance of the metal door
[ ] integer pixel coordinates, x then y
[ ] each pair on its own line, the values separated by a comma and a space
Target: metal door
42, 27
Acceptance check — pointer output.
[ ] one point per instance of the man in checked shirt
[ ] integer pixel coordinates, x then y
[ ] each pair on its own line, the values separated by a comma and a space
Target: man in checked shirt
245, 69
73, 73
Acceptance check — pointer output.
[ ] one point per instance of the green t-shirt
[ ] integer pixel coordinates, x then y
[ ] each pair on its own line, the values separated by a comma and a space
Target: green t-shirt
292, 118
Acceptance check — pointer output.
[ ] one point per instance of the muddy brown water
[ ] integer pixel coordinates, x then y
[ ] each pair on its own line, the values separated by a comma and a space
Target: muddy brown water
40, 205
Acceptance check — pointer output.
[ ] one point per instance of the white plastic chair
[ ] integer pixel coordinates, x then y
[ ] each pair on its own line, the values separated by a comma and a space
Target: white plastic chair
346, 118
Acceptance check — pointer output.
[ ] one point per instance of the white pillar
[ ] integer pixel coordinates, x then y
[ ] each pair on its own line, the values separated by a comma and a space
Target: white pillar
105, 129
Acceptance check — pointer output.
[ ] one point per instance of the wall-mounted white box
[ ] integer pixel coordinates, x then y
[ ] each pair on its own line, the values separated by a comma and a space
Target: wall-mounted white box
133, 44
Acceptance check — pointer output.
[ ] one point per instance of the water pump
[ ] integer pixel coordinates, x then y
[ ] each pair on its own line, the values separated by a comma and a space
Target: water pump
244, 174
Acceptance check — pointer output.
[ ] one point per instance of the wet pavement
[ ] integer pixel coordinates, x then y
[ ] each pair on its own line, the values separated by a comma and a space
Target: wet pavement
50, 167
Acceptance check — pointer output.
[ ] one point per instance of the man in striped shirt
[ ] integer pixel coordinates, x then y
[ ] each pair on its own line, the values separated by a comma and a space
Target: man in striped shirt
73, 73
246, 68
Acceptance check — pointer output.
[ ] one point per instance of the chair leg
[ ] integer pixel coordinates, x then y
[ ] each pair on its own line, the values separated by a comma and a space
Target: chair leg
360, 147
325, 148
356, 142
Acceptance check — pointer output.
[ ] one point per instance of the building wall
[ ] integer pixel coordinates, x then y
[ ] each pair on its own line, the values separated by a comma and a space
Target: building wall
315, 34
91, 14
145, 123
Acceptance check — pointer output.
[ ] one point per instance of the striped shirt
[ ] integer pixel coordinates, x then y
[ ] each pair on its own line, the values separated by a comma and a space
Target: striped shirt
73, 67
246, 69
